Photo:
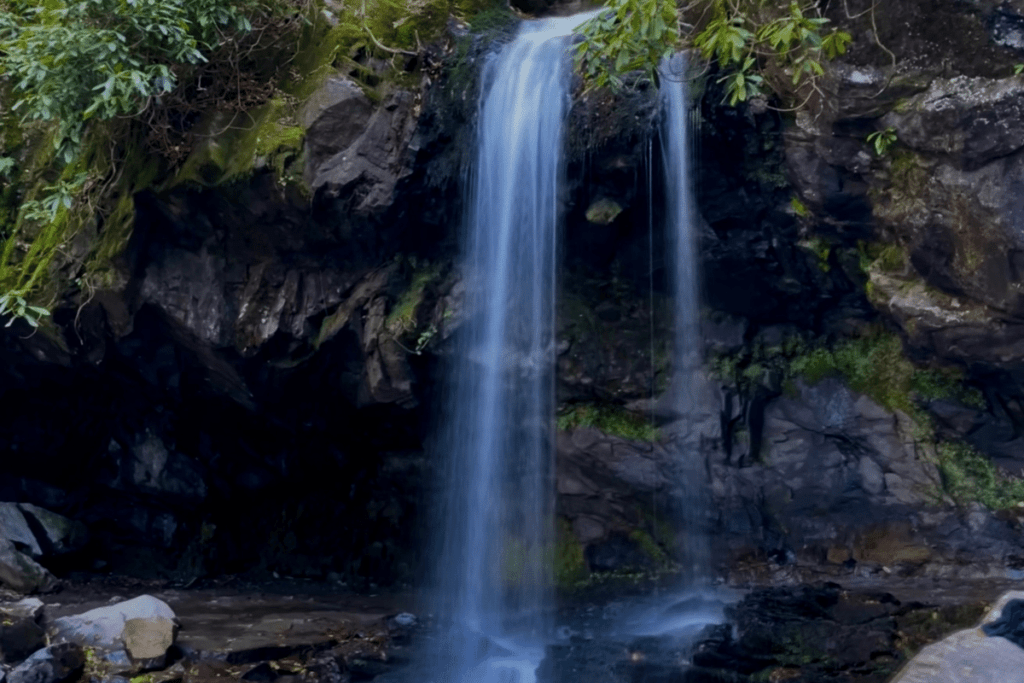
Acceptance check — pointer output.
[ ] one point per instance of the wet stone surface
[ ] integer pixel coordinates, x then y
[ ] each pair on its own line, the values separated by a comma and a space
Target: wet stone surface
307, 632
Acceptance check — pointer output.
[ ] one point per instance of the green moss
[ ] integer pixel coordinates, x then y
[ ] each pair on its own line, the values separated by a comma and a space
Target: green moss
799, 208
969, 476
603, 211
891, 259
821, 250
402, 318
139, 171
651, 549
233, 146
793, 650
570, 566
488, 16
610, 419
876, 365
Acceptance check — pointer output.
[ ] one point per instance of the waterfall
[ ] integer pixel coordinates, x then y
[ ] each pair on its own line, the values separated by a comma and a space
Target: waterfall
687, 380
495, 584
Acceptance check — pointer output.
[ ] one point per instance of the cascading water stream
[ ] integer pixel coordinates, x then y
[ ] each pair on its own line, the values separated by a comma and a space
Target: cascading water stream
686, 382
494, 575
693, 604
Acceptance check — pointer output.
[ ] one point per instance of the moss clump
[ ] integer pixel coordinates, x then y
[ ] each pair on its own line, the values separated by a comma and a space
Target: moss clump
235, 145
488, 16
799, 208
610, 419
821, 250
570, 566
875, 365
604, 211
402, 318
969, 476
659, 558
880, 257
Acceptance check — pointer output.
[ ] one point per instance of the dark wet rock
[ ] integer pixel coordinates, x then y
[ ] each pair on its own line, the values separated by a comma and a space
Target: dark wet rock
366, 668
325, 669
334, 117
53, 664
724, 334
21, 573
15, 529
1010, 624
364, 175
20, 631
261, 673
835, 482
56, 533
149, 465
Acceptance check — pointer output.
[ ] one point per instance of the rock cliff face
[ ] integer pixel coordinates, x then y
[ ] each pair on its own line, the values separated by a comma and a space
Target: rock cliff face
258, 388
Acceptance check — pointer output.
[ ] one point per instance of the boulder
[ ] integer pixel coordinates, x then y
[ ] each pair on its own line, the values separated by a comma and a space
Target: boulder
50, 665
21, 573
334, 117
14, 528
147, 640
58, 534
364, 175
144, 626
979, 655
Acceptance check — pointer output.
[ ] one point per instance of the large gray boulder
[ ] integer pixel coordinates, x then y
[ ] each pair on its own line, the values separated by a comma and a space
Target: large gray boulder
970, 655
132, 635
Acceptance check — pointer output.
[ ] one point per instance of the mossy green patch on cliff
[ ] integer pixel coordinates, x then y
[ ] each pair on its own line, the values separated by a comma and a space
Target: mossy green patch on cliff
234, 145
610, 419
969, 476
54, 204
882, 257
904, 192
402, 318
821, 249
649, 547
877, 366
874, 364
570, 566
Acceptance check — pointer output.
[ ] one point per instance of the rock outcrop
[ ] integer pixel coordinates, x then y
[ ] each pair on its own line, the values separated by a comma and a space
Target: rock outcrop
255, 383
987, 653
